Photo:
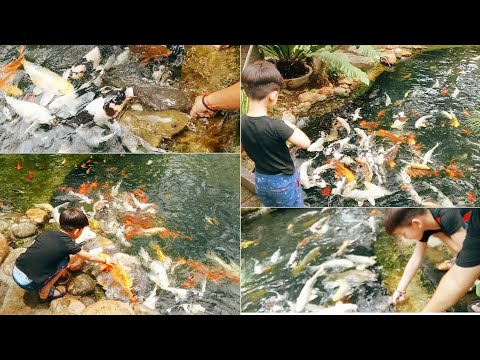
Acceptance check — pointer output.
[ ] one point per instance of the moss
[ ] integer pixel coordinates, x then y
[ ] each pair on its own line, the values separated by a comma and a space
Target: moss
207, 70
393, 260
36, 180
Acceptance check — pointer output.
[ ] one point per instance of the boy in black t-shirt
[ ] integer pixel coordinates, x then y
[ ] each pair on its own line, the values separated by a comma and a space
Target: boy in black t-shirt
45, 262
419, 224
264, 139
456, 282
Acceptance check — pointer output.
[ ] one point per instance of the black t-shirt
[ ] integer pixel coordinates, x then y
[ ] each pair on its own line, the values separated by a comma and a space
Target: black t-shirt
469, 256
264, 142
450, 220
42, 258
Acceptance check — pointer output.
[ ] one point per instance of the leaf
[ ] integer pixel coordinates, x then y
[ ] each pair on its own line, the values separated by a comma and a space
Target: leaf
341, 64
243, 103
369, 51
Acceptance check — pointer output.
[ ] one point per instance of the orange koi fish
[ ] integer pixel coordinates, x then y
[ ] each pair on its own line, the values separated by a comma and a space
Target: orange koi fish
341, 170
19, 166
389, 135
470, 197
326, 191
363, 124
8, 71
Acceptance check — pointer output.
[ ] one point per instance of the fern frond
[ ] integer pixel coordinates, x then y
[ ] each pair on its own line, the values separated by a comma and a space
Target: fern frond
341, 64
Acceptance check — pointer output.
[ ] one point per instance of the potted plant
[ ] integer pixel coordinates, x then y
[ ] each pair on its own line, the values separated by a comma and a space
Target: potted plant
291, 62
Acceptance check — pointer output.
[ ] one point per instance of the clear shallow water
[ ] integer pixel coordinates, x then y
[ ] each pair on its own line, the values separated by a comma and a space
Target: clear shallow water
452, 68
186, 189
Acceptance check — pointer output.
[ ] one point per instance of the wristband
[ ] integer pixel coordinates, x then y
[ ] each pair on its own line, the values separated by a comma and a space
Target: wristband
204, 102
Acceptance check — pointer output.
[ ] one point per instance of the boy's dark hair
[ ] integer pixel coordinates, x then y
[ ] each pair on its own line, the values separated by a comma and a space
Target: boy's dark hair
397, 217
260, 79
72, 219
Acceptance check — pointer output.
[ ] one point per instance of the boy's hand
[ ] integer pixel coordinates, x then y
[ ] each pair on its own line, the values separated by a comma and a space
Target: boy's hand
111, 261
397, 297
199, 110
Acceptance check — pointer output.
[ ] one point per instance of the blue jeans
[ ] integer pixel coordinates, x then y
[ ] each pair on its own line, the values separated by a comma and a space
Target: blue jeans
279, 190
20, 277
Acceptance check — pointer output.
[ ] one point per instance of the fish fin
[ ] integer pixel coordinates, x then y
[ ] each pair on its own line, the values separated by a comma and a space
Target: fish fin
46, 98
371, 201
66, 74
37, 91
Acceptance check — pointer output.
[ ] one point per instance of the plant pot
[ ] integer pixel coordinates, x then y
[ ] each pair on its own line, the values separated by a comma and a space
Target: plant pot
302, 80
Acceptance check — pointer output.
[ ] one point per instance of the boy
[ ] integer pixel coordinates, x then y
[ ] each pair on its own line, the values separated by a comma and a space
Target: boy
418, 224
264, 139
46, 260
454, 285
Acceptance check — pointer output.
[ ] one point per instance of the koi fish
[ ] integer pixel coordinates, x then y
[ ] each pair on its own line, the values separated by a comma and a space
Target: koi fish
8, 71
470, 197
341, 171
422, 122
389, 135
388, 101
47, 80
19, 166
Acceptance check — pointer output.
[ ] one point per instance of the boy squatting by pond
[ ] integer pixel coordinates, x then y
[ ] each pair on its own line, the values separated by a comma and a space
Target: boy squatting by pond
263, 139
46, 262
456, 282
419, 224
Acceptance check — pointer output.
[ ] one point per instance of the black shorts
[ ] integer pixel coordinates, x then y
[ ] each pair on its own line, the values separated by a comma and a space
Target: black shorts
469, 256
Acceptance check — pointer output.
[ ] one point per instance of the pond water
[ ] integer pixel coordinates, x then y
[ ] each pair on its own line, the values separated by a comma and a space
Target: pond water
187, 197
158, 85
271, 240
425, 84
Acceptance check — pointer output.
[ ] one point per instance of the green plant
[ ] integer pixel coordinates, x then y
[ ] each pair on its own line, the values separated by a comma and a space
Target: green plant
296, 54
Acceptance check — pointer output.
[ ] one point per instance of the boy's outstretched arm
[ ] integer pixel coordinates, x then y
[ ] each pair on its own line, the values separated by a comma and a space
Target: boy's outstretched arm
453, 286
298, 137
94, 258
412, 267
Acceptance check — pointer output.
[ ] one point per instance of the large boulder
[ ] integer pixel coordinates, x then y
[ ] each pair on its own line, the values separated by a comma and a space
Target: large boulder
10, 260
81, 285
38, 216
4, 249
67, 304
24, 228
20, 302
109, 307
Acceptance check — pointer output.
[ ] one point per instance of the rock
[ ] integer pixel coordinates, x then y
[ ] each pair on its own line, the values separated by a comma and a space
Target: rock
104, 242
152, 126
388, 58
4, 225
87, 300
67, 304
39, 216
339, 90
108, 307
326, 90
20, 302
405, 52
286, 116
306, 97
10, 260
344, 80
81, 285
141, 309
24, 243
25, 228
345, 86
398, 53
4, 249
362, 62
3, 291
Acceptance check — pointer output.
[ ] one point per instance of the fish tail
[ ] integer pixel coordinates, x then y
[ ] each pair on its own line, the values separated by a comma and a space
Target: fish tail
8, 71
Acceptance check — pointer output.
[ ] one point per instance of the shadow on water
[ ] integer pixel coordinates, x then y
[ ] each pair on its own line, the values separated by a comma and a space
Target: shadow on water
219, 134
269, 240
187, 191
453, 68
